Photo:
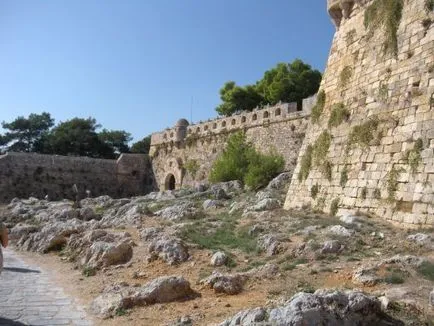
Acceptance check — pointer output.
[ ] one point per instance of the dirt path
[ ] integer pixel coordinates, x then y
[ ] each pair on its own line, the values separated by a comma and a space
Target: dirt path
30, 296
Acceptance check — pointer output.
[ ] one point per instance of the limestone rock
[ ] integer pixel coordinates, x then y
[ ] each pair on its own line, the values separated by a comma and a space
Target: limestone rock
160, 290
331, 247
172, 250
279, 182
219, 259
323, 307
211, 204
270, 244
421, 239
431, 298
340, 231
266, 204
22, 230
103, 254
179, 211
228, 284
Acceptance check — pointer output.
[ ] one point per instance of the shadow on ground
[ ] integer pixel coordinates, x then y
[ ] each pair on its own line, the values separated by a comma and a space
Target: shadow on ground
20, 270
8, 322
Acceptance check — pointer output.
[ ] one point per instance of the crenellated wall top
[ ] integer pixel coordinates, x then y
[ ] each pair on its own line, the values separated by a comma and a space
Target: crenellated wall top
257, 117
342, 9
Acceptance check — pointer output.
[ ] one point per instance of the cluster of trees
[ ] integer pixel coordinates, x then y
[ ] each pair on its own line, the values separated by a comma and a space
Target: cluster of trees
241, 161
287, 82
77, 137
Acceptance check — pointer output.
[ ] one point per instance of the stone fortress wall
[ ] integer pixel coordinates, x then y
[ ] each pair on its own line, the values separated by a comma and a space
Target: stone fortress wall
174, 150
381, 158
28, 174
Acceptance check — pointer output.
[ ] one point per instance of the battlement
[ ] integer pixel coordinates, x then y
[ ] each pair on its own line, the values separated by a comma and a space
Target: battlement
258, 117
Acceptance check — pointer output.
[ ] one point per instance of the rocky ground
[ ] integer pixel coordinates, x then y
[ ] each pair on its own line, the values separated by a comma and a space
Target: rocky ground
221, 255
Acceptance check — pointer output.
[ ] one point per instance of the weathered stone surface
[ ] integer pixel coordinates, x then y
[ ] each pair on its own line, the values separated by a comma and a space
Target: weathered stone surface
172, 250
421, 239
219, 259
270, 244
279, 182
179, 211
331, 247
103, 254
160, 290
431, 298
340, 231
325, 307
229, 284
266, 204
211, 204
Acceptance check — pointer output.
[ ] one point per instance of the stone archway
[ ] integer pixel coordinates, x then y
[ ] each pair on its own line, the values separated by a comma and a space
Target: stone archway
170, 183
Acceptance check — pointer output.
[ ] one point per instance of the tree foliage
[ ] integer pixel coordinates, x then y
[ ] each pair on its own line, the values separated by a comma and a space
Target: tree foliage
76, 137
24, 134
287, 82
142, 146
240, 161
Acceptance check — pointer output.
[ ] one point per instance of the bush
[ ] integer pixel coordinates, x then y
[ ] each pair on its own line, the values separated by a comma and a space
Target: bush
363, 134
192, 167
240, 161
319, 107
338, 115
306, 164
334, 207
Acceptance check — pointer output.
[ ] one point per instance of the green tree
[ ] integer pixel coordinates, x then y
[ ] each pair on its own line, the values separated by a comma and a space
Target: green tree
116, 139
240, 161
236, 98
142, 146
24, 134
289, 83
77, 137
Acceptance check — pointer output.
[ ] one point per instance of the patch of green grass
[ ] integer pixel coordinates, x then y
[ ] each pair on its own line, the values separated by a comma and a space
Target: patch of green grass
305, 164
88, 271
192, 166
395, 276
226, 236
426, 269
319, 107
413, 156
385, 15
338, 115
363, 134
345, 76
121, 312
320, 152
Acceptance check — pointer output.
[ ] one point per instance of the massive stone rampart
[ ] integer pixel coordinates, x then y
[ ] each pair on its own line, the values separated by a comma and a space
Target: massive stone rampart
381, 157
176, 150
27, 174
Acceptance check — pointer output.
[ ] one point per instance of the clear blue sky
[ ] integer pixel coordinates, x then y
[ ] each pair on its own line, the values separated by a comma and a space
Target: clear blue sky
135, 64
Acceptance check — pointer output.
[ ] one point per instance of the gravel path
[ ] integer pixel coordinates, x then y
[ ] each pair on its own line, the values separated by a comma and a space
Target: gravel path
28, 296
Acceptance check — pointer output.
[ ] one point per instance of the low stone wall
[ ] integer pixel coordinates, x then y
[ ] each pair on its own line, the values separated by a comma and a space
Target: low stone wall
28, 174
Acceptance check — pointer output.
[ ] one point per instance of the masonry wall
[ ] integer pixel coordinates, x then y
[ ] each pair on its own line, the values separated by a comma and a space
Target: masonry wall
397, 91
280, 128
24, 175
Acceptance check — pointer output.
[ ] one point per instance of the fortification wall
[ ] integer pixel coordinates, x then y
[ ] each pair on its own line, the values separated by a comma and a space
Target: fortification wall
23, 175
381, 159
280, 127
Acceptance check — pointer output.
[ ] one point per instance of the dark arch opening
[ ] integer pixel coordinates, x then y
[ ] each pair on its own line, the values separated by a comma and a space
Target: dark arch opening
170, 183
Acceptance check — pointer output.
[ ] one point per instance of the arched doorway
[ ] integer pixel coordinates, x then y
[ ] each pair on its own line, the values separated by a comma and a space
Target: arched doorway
170, 183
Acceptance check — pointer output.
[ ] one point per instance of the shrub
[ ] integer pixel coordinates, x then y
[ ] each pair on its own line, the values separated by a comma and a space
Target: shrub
319, 107
344, 177
392, 183
338, 115
426, 269
386, 14
192, 167
429, 5
377, 193
305, 164
262, 168
363, 134
334, 207
314, 191
413, 157
364, 192
240, 161
321, 148
345, 76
